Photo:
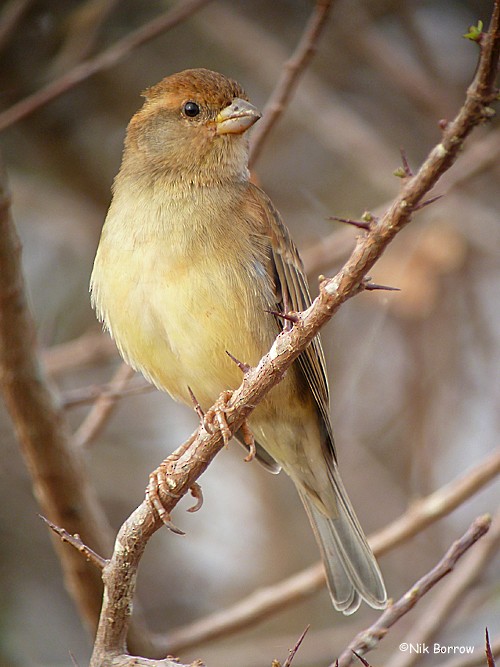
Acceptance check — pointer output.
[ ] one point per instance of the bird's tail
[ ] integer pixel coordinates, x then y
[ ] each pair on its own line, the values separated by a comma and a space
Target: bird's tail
352, 572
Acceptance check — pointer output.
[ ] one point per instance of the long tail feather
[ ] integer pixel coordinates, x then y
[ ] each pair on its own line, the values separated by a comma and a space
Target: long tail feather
351, 569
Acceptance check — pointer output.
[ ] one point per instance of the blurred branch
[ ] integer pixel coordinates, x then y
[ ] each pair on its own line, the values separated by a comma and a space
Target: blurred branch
451, 595
58, 472
272, 599
103, 407
82, 29
368, 639
475, 660
364, 39
421, 46
89, 348
108, 58
12, 13
114, 389
357, 141
292, 70
179, 472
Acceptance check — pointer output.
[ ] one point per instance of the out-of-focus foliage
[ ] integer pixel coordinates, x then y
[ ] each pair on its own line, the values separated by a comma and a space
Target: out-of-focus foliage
414, 375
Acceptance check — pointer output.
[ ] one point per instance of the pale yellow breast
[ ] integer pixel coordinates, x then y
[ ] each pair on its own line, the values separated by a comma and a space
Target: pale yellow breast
175, 306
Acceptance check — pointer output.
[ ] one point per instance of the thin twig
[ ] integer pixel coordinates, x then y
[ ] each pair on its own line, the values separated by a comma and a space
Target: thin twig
106, 59
89, 394
292, 70
368, 639
90, 348
103, 407
451, 594
293, 651
76, 542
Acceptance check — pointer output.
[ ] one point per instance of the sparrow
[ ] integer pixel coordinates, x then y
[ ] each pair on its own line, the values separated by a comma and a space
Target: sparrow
195, 261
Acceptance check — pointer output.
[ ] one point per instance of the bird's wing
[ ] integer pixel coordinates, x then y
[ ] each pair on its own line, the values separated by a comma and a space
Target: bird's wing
292, 294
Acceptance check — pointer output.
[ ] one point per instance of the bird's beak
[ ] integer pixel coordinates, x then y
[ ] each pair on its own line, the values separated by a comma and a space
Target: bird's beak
237, 117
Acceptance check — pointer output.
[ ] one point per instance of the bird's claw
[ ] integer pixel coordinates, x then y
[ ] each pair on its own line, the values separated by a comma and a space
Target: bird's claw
249, 441
218, 414
158, 488
197, 494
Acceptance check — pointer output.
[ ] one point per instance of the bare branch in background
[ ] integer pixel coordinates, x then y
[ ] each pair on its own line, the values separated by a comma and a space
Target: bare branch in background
59, 476
368, 639
292, 70
108, 58
11, 15
451, 595
89, 348
103, 407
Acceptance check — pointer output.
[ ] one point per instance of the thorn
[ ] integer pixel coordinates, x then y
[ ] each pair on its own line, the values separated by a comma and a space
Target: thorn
197, 406
360, 224
289, 317
244, 368
293, 651
361, 659
370, 287
197, 494
489, 652
427, 202
406, 165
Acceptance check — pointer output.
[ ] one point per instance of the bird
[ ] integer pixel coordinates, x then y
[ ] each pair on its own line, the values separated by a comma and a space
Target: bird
194, 262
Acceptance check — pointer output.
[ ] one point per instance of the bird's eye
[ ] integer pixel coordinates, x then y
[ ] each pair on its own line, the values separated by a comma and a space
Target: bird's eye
191, 109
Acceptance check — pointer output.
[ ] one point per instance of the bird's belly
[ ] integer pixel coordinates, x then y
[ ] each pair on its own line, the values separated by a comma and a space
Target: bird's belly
177, 323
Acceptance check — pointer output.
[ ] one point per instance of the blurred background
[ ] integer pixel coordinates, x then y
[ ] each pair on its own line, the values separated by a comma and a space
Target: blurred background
413, 374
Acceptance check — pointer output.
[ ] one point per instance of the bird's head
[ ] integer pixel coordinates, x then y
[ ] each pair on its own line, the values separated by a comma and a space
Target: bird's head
192, 128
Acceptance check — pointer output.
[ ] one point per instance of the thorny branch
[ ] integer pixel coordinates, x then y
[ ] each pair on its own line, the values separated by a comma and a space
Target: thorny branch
183, 470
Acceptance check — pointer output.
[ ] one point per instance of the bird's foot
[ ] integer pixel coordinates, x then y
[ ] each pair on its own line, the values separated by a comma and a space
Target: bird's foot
217, 416
158, 494
161, 489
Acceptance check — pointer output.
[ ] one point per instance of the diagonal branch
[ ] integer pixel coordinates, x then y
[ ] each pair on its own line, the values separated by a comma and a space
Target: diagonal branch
104, 60
59, 476
183, 469
292, 70
439, 615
